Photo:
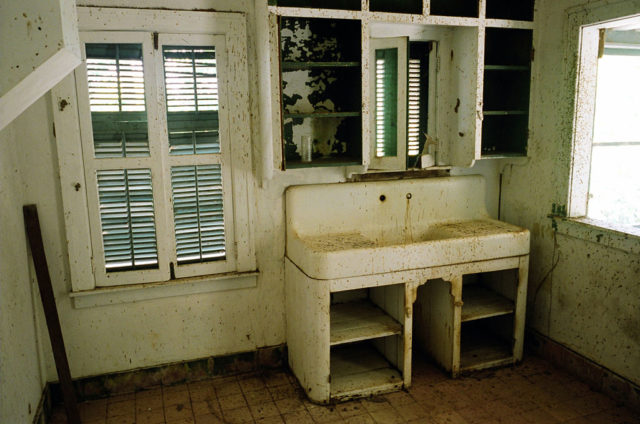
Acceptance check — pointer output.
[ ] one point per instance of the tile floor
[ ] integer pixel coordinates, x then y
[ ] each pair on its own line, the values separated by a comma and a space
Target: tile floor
533, 392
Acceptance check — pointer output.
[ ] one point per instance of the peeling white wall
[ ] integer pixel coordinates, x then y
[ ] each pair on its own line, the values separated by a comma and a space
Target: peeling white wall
590, 302
20, 378
127, 336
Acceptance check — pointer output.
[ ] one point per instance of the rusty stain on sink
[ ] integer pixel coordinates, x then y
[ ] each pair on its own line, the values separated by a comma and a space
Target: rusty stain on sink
408, 233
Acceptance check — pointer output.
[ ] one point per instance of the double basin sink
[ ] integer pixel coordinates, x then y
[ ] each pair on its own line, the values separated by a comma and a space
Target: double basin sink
353, 229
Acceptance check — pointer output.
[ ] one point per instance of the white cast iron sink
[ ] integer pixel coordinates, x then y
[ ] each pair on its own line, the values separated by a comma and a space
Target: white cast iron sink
352, 229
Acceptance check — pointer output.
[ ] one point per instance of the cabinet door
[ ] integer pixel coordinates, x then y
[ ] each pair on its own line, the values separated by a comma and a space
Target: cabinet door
389, 98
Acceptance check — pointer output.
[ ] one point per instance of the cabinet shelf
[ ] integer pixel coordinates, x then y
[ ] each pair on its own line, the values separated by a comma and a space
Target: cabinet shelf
521, 10
358, 369
480, 350
480, 302
506, 68
323, 162
294, 66
324, 4
322, 115
504, 112
502, 155
357, 321
464, 8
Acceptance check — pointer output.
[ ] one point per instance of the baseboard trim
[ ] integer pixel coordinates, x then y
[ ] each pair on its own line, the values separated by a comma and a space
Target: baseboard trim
596, 376
105, 385
45, 406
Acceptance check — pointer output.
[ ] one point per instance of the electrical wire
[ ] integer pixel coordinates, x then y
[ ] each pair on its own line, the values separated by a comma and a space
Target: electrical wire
554, 264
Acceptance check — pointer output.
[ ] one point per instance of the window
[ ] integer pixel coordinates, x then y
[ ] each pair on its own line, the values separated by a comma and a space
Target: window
605, 184
166, 186
401, 94
614, 183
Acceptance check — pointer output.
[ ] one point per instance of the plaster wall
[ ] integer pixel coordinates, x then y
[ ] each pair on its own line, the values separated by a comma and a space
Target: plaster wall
47, 50
38, 28
582, 294
20, 377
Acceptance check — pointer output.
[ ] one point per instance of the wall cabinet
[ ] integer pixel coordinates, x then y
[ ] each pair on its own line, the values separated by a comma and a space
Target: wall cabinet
319, 4
466, 8
396, 6
324, 84
521, 10
321, 91
507, 76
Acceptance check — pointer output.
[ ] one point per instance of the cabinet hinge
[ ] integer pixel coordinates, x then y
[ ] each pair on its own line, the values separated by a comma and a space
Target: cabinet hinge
533, 53
155, 41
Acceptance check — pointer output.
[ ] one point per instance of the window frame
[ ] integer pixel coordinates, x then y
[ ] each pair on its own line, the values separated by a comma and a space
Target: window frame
78, 185
582, 43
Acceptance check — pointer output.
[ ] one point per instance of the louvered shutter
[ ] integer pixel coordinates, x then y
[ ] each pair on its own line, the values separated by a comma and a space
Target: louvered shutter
388, 57
127, 218
198, 213
191, 83
386, 112
116, 98
413, 131
116, 91
191, 89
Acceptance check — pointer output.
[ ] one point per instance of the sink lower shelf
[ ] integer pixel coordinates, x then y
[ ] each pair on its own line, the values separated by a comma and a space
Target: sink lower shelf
361, 320
358, 369
483, 350
480, 302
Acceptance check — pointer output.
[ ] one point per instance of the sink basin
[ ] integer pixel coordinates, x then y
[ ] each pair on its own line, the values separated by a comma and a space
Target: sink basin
352, 229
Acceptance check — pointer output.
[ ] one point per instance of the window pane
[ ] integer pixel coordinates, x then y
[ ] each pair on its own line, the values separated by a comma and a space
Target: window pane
413, 130
116, 98
614, 187
191, 81
127, 219
198, 213
617, 116
386, 113
614, 191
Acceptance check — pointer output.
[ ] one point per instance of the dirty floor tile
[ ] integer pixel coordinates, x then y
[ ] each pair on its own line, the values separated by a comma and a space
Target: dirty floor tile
534, 392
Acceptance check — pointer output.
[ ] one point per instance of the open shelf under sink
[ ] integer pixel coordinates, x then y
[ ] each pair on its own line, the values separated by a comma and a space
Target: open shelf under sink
359, 368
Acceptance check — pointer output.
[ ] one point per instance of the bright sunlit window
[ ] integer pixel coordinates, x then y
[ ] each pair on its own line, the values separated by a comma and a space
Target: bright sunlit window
614, 185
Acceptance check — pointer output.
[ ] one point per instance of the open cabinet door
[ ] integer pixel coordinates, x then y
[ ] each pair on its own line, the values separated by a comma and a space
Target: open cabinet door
389, 97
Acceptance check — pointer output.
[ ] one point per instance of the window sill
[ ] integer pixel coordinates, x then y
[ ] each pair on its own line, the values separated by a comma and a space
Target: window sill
622, 238
182, 287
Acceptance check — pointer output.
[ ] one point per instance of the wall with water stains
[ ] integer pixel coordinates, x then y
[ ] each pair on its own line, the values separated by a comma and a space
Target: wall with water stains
20, 377
582, 294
